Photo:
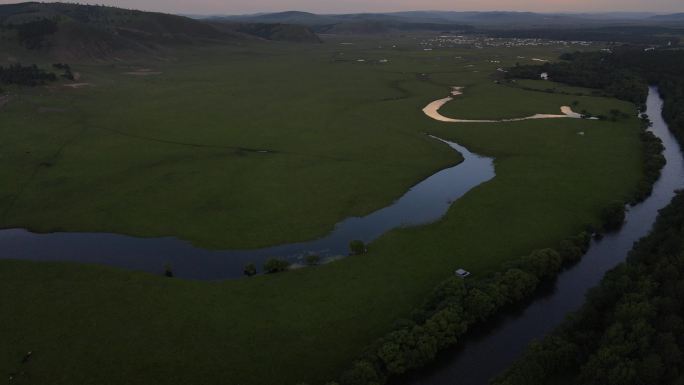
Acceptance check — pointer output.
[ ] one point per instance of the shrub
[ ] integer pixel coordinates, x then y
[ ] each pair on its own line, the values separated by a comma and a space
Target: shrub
452, 290
544, 263
168, 271
516, 284
357, 247
479, 305
613, 216
408, 349
275, 265
312, 260
447, 325
250, 270
569, 251
362, 373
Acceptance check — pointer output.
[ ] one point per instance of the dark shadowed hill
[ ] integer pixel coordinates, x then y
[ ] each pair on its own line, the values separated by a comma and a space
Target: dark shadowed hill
289, 17
268, 31
357, 23
69, 31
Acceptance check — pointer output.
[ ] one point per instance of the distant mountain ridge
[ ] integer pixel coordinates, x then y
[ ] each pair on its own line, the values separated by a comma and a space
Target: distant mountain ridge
677, 17
483, 18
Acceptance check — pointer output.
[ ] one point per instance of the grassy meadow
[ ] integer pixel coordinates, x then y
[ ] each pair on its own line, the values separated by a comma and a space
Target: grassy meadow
174, 154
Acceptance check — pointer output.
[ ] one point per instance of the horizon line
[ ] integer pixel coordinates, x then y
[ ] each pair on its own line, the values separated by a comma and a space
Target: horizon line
439, 10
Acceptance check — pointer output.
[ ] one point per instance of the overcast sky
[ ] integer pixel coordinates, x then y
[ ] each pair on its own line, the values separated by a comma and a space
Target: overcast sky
335, 6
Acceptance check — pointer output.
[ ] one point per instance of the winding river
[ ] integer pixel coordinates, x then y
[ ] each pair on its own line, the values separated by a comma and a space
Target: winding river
425, 202
493, 347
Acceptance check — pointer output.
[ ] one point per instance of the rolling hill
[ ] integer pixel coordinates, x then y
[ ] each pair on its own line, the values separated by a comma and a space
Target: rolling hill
68, 31
268, 31
356, 23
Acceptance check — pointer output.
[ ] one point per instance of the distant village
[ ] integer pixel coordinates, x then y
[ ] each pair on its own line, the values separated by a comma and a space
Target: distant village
449, 41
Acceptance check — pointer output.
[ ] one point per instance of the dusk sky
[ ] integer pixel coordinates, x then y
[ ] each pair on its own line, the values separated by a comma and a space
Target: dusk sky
339, 6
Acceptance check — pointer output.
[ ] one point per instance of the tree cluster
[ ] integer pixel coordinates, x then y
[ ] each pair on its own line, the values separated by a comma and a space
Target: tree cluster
67, 70
455, 306
275, 265
25, 75
591, 70
357, 247
653, 163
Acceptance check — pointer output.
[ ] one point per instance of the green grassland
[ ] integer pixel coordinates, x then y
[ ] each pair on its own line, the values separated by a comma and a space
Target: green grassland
157, 155
550, 86
164, 154
499, 103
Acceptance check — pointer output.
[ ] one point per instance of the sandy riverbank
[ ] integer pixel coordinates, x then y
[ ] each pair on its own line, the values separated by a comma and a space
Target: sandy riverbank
432, 110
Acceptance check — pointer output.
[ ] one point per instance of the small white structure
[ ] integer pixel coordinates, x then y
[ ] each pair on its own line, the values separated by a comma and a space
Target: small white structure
462, 273
544, 76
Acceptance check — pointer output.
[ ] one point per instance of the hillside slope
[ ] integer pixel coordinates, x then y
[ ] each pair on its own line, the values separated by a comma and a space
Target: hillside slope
268, 31
73, 31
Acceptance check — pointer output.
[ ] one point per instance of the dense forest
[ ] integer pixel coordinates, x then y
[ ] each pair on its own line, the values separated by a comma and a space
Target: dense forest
631, 329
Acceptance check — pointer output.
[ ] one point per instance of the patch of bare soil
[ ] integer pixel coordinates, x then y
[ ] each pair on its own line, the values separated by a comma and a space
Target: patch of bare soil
77, 85
143, 72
